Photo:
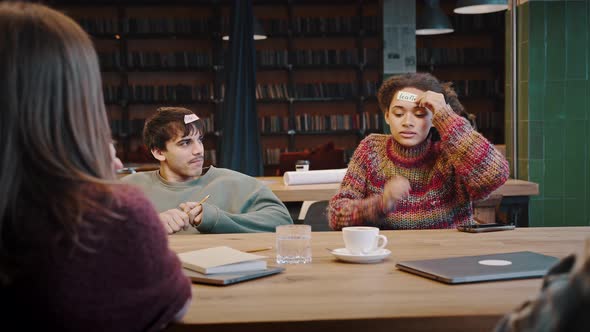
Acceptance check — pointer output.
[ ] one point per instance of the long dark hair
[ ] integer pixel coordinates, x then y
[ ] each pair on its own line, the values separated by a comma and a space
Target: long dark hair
54, 133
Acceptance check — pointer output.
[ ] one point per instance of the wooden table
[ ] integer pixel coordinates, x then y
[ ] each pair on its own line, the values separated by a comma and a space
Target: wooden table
331, 296
320, 192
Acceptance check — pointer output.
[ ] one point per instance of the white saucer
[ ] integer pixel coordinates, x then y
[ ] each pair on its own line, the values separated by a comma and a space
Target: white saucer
373, 257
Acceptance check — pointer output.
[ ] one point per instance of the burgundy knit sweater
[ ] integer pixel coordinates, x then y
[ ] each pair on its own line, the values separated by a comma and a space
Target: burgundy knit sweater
131, 281
445, 177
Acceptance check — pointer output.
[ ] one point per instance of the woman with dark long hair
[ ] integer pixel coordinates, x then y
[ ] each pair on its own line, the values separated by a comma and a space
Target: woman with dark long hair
427, 172
78, 251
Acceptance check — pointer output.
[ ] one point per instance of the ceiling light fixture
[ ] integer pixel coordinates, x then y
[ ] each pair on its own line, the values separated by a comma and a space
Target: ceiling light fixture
432, 20
480, 6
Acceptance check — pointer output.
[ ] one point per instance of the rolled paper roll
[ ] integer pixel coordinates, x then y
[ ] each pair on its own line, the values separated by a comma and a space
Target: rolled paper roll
314, 177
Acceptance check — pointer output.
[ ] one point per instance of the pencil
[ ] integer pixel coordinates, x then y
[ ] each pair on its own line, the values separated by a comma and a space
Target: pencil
204, 199
258, 249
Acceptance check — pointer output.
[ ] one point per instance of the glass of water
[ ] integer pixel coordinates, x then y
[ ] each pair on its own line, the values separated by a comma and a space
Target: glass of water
293, 244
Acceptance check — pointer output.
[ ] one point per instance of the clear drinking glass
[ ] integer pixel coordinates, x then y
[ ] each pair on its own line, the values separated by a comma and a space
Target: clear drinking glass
293, 244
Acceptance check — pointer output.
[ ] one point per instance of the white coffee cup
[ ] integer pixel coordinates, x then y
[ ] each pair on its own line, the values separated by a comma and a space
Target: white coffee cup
362, 240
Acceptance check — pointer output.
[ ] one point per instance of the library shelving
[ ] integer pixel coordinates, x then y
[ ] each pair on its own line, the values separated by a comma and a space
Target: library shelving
318, 71
317, 76
472, 57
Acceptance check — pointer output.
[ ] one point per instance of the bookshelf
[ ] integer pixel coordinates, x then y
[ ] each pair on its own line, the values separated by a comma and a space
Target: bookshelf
318, 70
317, 75
472, 58
152, 56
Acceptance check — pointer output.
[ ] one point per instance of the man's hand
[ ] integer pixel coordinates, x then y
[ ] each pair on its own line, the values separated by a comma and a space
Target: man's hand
174, 220
395, 189
195, 212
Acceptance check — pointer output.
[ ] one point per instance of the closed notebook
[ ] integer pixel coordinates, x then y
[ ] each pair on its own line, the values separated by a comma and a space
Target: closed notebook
221, 260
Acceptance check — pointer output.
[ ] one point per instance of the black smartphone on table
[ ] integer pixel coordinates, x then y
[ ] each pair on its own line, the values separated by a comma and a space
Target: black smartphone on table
481, 228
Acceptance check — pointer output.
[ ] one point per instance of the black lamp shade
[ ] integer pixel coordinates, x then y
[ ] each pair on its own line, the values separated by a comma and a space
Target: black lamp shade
480, 6
433, 21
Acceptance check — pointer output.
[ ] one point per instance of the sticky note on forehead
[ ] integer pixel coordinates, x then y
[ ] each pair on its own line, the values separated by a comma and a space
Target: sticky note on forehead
406, 96
188, 118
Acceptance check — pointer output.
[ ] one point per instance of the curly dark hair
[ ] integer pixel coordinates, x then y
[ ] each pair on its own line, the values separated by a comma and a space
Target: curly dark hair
422, 81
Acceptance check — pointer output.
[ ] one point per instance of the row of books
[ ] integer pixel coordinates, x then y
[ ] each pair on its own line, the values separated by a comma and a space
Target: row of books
136, 126
306, 90
314, 90
278, 91
272, 91
166, 25
455, 56
272, 156
185, 59
272, 57
180, 59
174, 93
371, 88
477, 88
339, 24
176, 25
318, 122
274, 124
100, 25
269, 25
139, 60
471, 23
315, 25
145, 25
318, 57
159, 93
112, 93
325, 90
326, 57
301, 25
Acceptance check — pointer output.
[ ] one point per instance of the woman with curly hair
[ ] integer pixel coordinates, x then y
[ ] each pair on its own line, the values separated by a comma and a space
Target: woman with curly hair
427, 173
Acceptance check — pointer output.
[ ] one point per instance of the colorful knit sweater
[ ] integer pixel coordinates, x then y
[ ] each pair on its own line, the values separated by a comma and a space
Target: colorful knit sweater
445, 177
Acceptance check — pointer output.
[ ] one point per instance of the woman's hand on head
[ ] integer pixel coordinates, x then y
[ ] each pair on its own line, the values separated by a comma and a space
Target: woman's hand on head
433, 101
395, 189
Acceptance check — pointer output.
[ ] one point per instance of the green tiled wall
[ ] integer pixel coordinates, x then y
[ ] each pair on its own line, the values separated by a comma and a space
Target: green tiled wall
554, 98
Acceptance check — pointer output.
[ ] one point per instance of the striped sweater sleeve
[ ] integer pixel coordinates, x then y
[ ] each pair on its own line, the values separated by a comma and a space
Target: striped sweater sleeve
350, 206
479, 166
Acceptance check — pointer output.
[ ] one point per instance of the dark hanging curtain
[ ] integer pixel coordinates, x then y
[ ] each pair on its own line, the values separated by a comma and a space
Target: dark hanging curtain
240, 143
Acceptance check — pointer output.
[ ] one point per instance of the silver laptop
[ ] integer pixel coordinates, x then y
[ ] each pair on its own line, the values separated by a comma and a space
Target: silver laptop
465, 269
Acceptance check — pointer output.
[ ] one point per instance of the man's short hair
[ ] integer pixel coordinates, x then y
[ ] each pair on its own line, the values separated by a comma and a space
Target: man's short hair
167, 124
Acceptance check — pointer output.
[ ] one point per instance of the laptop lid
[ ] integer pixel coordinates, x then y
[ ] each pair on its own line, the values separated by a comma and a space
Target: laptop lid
465, 269
223, 279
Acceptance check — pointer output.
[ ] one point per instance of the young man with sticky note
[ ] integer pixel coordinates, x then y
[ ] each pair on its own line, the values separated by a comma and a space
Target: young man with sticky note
410, 179
212, 200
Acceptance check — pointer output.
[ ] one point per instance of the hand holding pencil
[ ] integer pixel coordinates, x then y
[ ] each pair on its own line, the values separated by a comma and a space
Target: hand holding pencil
194, 210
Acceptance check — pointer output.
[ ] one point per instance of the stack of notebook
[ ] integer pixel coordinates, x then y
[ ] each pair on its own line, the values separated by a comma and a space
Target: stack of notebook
224, 266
